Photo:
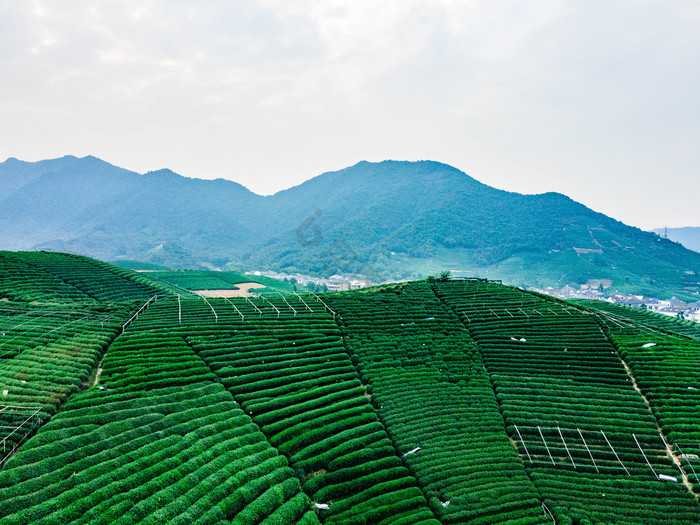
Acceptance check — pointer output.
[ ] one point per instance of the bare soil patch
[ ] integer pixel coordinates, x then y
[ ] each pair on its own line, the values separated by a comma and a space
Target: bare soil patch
242, 292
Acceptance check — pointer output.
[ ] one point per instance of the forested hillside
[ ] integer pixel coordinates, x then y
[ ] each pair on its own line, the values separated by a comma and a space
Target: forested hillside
438, 401
383, 220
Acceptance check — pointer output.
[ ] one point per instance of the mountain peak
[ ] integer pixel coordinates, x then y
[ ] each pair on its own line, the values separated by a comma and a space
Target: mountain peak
392, 218
163, 172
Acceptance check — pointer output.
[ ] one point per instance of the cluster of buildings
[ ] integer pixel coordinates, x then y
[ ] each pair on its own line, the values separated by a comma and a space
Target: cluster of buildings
335, 283
672, 307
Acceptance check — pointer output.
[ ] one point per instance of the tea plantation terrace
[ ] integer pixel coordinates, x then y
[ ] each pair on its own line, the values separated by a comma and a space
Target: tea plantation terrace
426, 402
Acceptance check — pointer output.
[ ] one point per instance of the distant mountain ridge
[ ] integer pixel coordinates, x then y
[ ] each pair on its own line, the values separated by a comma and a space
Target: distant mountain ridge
688, 236
388, 219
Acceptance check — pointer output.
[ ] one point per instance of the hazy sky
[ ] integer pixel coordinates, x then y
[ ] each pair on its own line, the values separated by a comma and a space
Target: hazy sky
599, 100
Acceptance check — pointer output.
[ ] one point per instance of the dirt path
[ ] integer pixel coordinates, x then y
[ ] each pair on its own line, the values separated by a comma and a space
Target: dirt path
97, 375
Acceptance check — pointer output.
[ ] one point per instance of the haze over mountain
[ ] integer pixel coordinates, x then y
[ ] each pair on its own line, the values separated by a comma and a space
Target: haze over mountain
688, 236
388, 219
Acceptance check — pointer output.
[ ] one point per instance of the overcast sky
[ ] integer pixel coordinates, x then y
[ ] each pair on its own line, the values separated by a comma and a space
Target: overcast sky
599, 100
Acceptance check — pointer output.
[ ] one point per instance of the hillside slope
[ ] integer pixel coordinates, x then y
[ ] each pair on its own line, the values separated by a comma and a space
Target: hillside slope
388, 219
425, 402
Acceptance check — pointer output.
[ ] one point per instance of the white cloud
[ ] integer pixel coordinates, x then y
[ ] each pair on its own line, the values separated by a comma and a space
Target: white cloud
594, 99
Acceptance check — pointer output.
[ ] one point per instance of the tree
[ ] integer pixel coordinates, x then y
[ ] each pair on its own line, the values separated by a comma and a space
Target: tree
441, 277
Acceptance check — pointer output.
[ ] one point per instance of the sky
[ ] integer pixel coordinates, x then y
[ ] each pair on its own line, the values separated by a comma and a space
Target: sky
599, 100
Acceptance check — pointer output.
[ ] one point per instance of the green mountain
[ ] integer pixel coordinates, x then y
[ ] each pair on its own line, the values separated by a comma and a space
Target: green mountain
384, 220
429, 402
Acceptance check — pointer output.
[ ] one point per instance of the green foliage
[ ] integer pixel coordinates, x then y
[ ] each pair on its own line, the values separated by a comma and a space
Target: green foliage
429, 384
54, 277
559, 379
296, 380
407, 403
210, 280
137, 265
439, 278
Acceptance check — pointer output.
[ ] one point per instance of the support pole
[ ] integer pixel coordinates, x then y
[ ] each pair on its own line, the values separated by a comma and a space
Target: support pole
645, 456
567, 448
545, 445
589, 450
613, 450
523, 442
685, 456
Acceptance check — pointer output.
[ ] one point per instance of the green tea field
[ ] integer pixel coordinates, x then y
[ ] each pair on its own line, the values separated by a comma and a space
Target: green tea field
125, 401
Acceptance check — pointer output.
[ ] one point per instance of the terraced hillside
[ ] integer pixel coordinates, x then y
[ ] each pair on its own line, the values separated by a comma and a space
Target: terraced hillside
586, 436
645, 318
428, 380
666, 369
57, 277
58, 314
184, 280
285, 363
442, 402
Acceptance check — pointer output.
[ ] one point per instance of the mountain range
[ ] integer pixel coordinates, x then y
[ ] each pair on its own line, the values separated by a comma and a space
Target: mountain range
391, 219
